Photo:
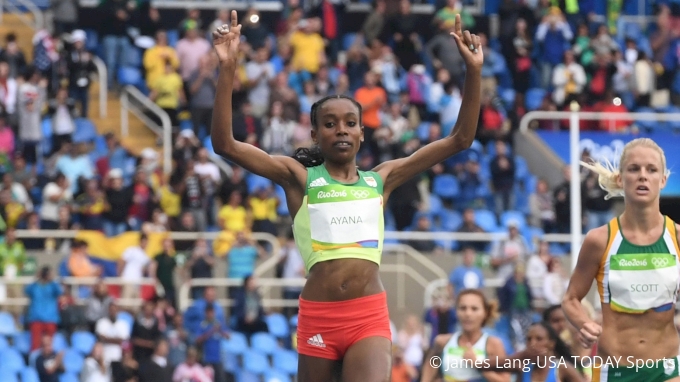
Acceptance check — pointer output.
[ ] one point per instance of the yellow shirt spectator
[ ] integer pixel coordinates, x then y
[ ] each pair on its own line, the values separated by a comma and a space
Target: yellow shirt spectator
234, 219
155, 59
264, 209
171, 202
307, 50
166, 89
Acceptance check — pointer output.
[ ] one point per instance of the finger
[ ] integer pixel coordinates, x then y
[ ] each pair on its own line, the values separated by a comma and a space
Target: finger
476, 41
458, 27
468, 39
234, 19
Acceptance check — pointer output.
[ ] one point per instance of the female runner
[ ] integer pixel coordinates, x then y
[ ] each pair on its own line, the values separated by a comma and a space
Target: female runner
474, 312
343, 326
634, 260
554, 316
555, 364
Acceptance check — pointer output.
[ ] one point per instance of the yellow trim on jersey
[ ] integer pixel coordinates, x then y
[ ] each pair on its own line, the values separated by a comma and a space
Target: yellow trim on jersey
613, 228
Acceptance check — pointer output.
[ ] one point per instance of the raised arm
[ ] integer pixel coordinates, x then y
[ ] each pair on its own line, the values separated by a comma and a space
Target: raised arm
282, 170
594, 246
397, 172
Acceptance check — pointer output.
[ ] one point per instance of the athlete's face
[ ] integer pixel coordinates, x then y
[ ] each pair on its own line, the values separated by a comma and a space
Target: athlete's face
642, 175
338, 131
557, 320
471, 312
537, 338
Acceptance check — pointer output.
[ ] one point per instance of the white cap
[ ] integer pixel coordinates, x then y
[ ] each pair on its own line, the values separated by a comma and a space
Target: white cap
149, 153
115, 173
78, 35
187, 133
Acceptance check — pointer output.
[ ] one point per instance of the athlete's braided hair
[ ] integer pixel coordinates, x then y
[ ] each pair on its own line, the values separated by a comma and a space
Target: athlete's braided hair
562, 350
312, 156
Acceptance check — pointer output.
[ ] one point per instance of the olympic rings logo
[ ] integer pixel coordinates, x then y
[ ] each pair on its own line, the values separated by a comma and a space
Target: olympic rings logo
659, 262
360, 194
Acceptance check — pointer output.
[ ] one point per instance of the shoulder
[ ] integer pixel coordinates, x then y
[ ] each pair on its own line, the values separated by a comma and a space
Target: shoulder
597, 239
494, 345
441, 340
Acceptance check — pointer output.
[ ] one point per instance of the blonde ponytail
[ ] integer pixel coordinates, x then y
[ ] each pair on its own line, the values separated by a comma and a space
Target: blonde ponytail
608, 172
607, 175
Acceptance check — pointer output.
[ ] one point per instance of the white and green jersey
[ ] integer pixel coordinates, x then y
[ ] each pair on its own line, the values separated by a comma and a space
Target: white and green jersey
455, 368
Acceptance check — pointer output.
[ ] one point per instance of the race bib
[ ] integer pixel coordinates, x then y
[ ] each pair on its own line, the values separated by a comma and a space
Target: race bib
639, 282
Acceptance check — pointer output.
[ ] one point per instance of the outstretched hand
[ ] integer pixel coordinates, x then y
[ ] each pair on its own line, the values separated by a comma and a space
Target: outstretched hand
226, 40
469, 45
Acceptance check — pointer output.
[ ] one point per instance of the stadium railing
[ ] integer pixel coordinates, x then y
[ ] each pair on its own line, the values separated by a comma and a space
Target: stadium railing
164, 131
102, 75
13, 6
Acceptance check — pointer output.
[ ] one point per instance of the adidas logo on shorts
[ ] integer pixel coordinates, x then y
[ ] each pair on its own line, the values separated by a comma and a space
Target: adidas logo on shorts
316, 341
318, 183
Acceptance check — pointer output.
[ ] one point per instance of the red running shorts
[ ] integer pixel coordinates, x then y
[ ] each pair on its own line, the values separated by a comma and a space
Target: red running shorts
328, 329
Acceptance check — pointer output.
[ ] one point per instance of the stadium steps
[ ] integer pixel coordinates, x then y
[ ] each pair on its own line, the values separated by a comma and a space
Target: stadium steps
11, 22
139, 138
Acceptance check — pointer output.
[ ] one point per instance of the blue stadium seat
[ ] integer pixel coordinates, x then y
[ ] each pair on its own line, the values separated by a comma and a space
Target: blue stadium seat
508, 97
516, 216
521, 168
7, 325
128, 75
134, 57
32, 357
29, 375
276, 376
8, 376
255, 181
294, 321
4, 344
264, 342
236, 344
83, 342
423, 131
173, 37
255, 362
435, 204
11, 360
230, 362
126, 317
85, 131
69, 377
22, 342
446, 186
247, 376
286, 361
100, 147
282, 209
486, 220
73, 361
278, 325
450, 220
534, 98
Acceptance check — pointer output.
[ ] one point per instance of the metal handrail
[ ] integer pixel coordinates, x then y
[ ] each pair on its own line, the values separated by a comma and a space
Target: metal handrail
102, 75
594, 116
164, 131
38, 21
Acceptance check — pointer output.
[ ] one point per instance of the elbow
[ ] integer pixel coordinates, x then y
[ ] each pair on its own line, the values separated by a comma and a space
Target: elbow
225, 149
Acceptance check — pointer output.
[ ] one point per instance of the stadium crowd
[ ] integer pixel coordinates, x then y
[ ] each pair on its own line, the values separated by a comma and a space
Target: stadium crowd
59, 173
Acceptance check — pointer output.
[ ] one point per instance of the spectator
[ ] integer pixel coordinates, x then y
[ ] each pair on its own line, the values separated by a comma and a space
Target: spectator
201, 89
372, 98
8, 90
537, 269
442, 51
287, 96
163, 269
49, 363
191, 370
164, 313
145, 333
374, 24
75, 166
542, 207
55, 194
260, 73
112, 332
97, 305
193, 196
233, 216
95, 369
598, 209
248, 128
493, 119
644, 79
242, 256
555, 282
201, 264
158, 57
31, 99
503, 178
248, 309
91, 206
412, 340
552, 35
210, 177
423, 224
127, 369
115, 20
209, 298
441, 318
507, 253
132, 265
178, 340
79, 264
277, 136
520, 59
119, 200
569, 79
293, 268
156, 368
167, 92
466, 276
562, 203
43, 309
7, 140
209, 336
469, 225
63, 114
190, 49
143, 197
80, 67
193, 20
401, 371
13, 55
407, 44
308, 48
515, 300
12, 260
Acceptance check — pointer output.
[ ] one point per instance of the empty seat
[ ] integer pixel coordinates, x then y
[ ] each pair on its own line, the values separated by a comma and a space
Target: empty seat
29, 375
256, 182
128, 75
83, 342
264, 342
248, 376
486, 220
59, 342
445, 186
7, 325
285, 360
294, 321
69, 377
276, 376
235, 344
513, 217
278, 325
12, 361
73, 361
22, 342
255, 362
